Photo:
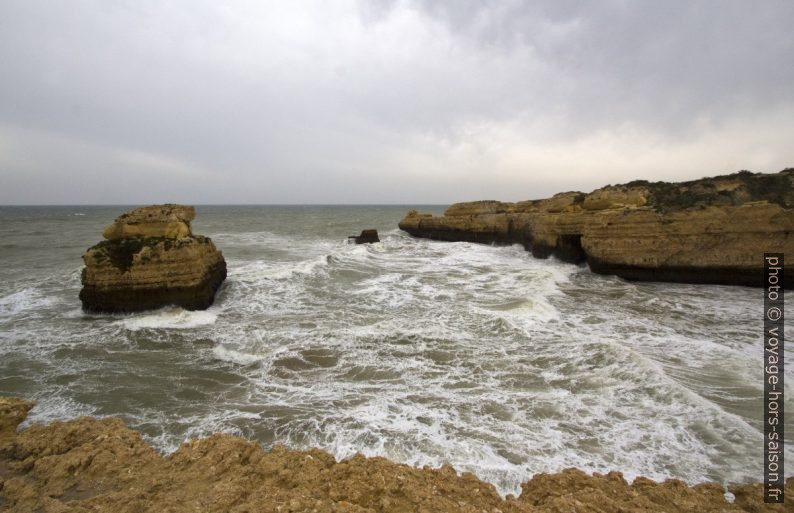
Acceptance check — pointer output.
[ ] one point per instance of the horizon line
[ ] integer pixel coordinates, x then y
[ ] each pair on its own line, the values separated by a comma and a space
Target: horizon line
11, 205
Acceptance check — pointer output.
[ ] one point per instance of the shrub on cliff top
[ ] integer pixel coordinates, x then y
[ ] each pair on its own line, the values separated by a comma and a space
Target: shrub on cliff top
775, 188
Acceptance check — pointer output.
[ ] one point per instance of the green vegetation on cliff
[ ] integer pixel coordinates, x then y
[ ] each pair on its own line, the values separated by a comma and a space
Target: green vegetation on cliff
732, 189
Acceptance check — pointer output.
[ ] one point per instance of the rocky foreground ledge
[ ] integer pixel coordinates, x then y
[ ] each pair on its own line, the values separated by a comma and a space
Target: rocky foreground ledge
712, 230
100, 465
149, 259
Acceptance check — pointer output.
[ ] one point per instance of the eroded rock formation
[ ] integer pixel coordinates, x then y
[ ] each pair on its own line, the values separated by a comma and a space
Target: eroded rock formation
712, 230
93, 465
149, 259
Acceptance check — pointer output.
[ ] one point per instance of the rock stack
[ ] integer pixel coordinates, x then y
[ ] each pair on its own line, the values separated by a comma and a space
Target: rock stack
712, 230
366, 237
150, 259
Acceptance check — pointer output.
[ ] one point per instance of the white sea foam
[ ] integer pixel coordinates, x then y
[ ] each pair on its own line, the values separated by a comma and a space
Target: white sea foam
290, 270
25, 300
418, 365
169, 318
49, 407
230, 355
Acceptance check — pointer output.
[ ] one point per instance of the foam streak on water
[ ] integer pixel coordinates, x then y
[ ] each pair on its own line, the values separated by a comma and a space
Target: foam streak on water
423, 352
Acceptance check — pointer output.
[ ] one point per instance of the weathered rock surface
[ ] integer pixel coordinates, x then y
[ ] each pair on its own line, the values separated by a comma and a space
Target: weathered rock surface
171, 221
712, 230
150, 258
91, 465
12, 412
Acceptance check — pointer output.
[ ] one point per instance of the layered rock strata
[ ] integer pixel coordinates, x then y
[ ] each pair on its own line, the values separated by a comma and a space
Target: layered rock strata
150, 258
100, 465
712, 230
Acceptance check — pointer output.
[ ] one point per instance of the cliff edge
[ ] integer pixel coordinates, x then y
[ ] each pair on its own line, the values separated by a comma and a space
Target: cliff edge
149, 259
100, 465
712, 230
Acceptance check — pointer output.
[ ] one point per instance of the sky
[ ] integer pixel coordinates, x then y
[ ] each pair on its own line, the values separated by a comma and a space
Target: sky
385, 101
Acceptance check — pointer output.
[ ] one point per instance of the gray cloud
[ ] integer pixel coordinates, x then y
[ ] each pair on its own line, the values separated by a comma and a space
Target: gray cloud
390, 101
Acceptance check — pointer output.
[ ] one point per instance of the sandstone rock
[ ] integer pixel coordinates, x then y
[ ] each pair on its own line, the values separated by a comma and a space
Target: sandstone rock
615, 197
413, 218
474, 208
151, 259
172, 221
100, 465
12, 412
561, 202
713, 230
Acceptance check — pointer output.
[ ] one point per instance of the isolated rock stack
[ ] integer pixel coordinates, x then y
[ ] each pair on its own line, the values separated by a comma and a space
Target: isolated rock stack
150, 258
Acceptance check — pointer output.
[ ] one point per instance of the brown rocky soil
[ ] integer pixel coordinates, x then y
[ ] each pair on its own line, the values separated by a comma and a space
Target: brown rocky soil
100, 465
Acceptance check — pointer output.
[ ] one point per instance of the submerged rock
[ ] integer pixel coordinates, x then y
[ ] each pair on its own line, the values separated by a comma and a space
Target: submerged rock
100, 465
367, 236
150, 258
712, 230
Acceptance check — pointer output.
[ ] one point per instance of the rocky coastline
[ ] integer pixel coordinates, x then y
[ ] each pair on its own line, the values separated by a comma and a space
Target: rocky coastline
150, 258
100, 465
712, 230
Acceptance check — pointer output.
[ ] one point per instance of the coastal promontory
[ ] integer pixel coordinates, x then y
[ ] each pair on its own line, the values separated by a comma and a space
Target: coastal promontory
712, 230
100, 465
150, 258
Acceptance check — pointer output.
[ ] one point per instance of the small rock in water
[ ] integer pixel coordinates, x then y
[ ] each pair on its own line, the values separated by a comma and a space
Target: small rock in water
365, 237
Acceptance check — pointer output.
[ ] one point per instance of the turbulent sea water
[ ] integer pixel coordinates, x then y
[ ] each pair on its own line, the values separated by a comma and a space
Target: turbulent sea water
424, 352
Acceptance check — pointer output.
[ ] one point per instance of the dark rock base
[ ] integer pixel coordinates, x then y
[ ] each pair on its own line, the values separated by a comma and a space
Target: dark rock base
569, 249
128, 299
366, 237
746, 276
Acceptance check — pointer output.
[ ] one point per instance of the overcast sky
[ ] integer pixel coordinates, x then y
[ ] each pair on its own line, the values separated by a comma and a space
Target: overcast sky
385, 101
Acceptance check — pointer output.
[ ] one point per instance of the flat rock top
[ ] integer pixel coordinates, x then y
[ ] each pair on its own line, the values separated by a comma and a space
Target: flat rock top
169, 220
166, 213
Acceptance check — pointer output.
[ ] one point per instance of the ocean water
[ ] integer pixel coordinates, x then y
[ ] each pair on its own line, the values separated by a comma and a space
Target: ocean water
420, 351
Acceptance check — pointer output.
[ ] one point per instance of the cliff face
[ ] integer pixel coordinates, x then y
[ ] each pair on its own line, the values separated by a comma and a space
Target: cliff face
713, 230
92, 465
150, 258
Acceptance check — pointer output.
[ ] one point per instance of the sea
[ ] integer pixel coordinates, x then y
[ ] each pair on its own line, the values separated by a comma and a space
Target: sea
424, 352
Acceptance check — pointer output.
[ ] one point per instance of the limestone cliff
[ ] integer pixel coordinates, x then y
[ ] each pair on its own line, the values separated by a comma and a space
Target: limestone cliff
712, 230
150, 258
100, 465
